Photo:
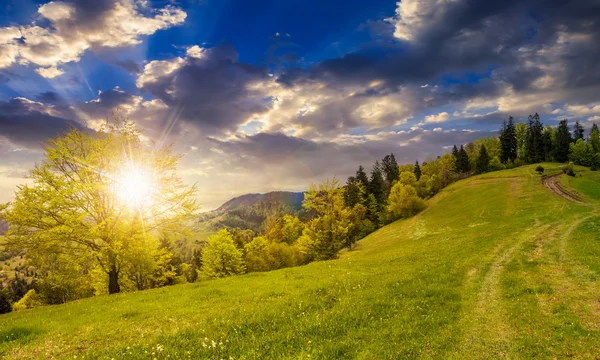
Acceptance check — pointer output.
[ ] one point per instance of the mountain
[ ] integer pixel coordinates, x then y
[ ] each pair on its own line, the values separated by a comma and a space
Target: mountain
498, 266
250, 211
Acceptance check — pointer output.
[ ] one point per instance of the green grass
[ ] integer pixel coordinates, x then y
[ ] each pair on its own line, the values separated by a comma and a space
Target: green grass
586, 183
497, 266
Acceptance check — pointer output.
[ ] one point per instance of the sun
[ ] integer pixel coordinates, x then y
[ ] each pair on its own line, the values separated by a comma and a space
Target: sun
134, 187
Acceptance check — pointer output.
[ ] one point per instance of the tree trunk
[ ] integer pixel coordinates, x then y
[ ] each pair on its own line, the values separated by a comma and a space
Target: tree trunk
113, 281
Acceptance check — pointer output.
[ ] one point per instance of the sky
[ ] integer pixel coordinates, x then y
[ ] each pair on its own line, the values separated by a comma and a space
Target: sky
276, 95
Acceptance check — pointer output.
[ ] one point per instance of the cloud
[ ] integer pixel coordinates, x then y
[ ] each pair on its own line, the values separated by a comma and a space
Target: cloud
50, 72
209, 88
71, 28
439, 118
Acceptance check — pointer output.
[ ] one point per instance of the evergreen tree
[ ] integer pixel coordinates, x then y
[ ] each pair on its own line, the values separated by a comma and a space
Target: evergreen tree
578, 131
534, 143
361, 176
454, 152
594, 138
561, 144
417, 170
377, 185
389, 166
5, 306
463, 164
483, 160
508, 141
351, 193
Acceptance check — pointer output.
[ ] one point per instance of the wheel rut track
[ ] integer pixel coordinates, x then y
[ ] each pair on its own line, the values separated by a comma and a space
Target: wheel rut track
550, 183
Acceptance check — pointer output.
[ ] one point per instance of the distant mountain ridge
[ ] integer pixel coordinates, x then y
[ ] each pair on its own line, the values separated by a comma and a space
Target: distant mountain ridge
250, 210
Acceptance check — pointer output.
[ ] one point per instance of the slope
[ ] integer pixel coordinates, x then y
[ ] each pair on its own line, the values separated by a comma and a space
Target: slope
497, 266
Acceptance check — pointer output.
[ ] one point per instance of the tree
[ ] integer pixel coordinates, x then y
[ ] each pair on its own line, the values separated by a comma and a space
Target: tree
404, 202
328, 230
594, 138
98, 195
455, 152
581, 153
534, 143
508, 141
463, 164
562, 142
389, 166
351, 193
221, 258
361, 176
483, 160
377, 185
578, 131
417, 170
521, 130
5, 306
408, 178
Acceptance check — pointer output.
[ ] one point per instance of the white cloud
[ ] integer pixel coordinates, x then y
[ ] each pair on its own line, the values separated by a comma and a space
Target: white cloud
437, 129
50, 73
414, 16
594, 118
441, 117
69, 34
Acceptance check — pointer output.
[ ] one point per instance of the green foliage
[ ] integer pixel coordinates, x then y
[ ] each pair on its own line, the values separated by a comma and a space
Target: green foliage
29, 301
534, 141
483, 160
594, 138
376, 186
220, 257
578, 131
463, 164
508, 141
389, 167
582, 153
539, 169
562, 142
417, 171
404, 201
408, 178
5, 306
71, 207
327, 232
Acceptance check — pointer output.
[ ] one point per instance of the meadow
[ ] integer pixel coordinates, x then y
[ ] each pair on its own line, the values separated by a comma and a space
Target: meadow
496, 266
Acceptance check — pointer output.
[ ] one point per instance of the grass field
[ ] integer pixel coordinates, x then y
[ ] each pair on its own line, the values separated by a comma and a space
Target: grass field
585, 183
497, 266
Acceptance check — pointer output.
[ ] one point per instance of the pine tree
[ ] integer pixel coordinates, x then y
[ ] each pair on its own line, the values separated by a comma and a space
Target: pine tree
389, 166
594, 138
561, 144
361, 176
463, 164
578, 131
534, 143
351, 193
508, 141
417, 170
376, 185
455, 152
483, 160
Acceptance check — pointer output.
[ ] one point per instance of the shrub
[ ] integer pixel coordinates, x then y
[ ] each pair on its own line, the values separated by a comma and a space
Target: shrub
568, 168
571, 173
539, 169
5, 306
30, 300
404, 202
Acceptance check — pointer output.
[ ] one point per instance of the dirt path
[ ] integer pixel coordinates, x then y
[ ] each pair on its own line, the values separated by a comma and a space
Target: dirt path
551, 184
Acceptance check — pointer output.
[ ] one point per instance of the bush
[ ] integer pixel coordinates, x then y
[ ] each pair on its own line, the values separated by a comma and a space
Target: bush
539, 169
568, 168
5, 306
404, 202
221, 258
30, 300
571, 173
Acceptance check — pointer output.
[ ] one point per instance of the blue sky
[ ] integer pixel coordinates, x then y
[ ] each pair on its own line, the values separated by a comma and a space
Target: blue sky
274, 95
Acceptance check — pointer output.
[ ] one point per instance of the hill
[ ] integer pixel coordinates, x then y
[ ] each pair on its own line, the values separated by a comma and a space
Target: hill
249, 211
497, 266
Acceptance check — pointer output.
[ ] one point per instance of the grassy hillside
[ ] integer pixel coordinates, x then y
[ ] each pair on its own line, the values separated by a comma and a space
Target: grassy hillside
497, 266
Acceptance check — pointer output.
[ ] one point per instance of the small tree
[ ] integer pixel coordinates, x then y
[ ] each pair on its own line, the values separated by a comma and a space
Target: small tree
5, 306
220, 257
417, 170
539, 169
404, 202
483, 160
328, 230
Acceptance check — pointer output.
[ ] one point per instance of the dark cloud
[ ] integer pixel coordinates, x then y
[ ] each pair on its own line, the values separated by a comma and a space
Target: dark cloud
24, 123
213, 92
129, 65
